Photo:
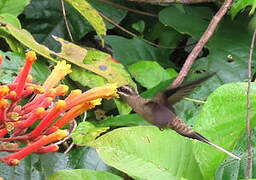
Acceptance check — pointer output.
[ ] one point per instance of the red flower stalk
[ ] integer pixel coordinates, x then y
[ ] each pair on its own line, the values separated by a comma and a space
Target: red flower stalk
3, 108
13, 159
23, 125
44, 104
3, 132
47, 149
30, 58
107, 91
15, 119
1, 60
72, 114
48, 120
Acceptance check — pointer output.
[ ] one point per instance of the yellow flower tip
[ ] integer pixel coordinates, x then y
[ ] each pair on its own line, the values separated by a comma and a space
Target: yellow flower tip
3, 103
14, 162
96, 102
39, 89
39, 112
75, 92
62, 68
51, 93
62, 90
60, 134
60, 105
29, 78
111, 91
30, 56
4, 90
13, 95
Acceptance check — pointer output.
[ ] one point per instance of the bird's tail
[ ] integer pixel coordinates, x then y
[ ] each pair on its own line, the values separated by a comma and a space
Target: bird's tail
180, 127
202, 139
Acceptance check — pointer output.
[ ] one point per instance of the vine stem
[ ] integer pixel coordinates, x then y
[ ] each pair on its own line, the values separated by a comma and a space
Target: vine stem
200, 44
249, 160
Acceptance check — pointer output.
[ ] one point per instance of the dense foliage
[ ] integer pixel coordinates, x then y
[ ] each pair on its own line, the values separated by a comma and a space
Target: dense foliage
114, 142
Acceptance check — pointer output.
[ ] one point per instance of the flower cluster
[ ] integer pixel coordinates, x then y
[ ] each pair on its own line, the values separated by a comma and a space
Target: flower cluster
51, 116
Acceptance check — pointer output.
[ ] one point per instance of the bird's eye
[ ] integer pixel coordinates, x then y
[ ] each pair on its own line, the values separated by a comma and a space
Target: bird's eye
124, 90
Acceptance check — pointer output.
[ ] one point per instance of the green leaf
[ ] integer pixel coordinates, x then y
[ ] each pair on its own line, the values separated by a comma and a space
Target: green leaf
232, 170
228, 47
13, 7
122, 120
81, 174
86, 78
139, 26
165, 36
129, 51
13, 62
115, 14
91, 15
9, 18
86, 132
222, 121
53, 23
148, 153
239, 5
148, 73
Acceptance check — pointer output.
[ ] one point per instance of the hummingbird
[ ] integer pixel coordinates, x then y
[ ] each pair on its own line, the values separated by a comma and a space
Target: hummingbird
159, 110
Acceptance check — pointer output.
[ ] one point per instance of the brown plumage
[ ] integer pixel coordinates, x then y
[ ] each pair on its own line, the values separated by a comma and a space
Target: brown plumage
159, 110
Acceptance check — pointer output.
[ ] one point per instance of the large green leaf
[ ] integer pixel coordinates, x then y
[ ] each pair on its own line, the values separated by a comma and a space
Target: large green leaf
82, 174
13, 7
149, 73
122, 120
228, 47
239, 5
222, 120
232, 170
36, 167
13, 62
49, 13
148, 153
129, 51
86, 132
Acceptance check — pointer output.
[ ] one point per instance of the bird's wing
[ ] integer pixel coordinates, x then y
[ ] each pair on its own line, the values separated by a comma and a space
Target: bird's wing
161, 115
174, 95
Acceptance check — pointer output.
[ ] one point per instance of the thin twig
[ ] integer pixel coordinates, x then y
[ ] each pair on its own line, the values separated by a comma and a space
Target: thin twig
65, 20
69, 133
203, 40
128, 9
134, 35
249, 161
72, 144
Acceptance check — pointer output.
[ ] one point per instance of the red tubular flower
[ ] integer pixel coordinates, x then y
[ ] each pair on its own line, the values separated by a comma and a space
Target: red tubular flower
107, 91
3, 132
47, 149
30, 58
13, 159
3, 109
44, 104
23, 125
48, 120
15, 118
